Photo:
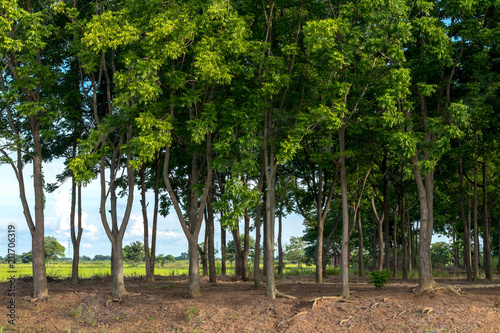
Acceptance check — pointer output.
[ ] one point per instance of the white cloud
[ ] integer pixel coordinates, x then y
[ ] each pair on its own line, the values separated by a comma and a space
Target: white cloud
136, 229
62, 208
86, 245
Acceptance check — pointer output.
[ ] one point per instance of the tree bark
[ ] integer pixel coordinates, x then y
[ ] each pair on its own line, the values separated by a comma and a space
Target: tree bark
237, 251
39, 272
476, 232
361, 266
387, 249
223, 249
425, 193
212, 277
345, 215
403, 239
486, 227
395, 273
246, 248
146, 224
257, 276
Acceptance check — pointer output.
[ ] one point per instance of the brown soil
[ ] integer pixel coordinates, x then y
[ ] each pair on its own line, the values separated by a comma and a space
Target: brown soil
230, 306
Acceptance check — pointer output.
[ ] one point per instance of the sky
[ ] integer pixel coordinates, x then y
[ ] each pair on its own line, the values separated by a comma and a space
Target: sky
170, 237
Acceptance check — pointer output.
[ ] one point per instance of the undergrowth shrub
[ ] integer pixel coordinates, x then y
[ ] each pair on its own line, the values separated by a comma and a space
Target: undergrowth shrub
380, 278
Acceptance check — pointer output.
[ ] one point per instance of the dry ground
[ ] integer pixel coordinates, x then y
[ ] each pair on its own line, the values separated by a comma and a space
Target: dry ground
230, 306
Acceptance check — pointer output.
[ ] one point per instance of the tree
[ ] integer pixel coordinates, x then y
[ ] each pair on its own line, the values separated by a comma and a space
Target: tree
441, 255
28, 79
294, 250
134, 252
52, 249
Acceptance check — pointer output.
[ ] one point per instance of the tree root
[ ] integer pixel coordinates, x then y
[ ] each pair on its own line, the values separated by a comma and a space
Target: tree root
120, 299
345, 320
437, 286
427, 311
399, 314
280, 294
298, 314
35, 300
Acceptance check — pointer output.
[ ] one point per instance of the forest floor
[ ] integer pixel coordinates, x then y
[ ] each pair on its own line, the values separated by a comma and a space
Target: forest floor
234, 306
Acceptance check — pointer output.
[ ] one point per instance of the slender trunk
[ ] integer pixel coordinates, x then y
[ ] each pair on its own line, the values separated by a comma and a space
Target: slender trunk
466, 226
361, 265
319, 248
212, 278
223, 249
76, 237
403, 239
246, 248
476, 232
280, 246
374, 247
204, 253
145, 223
155, 221
387, 249
395, 243
237, 251
410, 244
345, 215
257, 276
486, 227
498, 228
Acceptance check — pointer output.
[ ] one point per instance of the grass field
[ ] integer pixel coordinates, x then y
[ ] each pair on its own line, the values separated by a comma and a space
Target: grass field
101, 269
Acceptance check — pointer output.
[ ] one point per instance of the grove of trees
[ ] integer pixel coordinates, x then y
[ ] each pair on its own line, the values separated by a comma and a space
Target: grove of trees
377, 121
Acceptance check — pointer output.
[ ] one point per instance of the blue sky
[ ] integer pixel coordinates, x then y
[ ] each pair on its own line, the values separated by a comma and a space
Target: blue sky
170, 237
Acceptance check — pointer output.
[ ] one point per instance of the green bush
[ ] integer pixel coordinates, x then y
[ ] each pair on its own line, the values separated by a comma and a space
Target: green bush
380, 278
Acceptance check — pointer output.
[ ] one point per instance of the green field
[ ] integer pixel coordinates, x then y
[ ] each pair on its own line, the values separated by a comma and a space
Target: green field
101, 269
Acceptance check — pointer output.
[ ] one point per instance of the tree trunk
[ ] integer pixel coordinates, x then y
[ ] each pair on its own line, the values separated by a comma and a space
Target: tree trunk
410, 243
387, 262
40, 288
76, 237
155, 221
280, 246
466, 226
425, 193
257, 276
246, 248
212, 277
361, 265
223, 249
117, 276
476, 232
194, 267
237, 251
403, 239
486, 227
395, 243
145, 223
345, 215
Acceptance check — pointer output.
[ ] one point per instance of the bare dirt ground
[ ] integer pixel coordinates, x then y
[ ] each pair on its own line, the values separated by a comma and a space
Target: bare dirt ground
232, 306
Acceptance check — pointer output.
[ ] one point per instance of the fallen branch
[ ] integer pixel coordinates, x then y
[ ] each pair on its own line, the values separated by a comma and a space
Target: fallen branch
374, 305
